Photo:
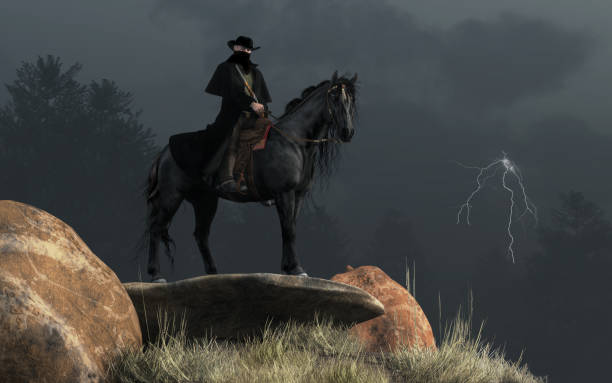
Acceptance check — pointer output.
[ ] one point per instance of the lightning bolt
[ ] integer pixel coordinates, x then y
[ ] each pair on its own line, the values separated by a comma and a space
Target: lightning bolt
509, 167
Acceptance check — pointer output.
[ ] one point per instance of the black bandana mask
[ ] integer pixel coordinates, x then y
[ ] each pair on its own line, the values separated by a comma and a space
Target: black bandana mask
242, 58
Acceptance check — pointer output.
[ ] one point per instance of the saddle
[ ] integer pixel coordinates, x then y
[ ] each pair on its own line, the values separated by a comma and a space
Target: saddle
252, 136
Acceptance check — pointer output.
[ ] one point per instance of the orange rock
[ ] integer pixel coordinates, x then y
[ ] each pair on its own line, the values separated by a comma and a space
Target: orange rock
63, 312
404, 322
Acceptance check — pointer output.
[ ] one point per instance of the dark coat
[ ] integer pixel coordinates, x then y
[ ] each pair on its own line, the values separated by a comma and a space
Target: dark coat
204, 149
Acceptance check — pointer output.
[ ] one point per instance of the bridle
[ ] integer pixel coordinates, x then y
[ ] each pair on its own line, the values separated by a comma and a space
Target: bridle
308, 140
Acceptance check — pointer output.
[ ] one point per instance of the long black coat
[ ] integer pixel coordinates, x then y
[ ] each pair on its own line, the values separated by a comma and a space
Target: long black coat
203, 150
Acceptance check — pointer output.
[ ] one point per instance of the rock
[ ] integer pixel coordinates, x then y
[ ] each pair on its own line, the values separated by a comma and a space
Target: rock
403, 322
230, 306
63, 312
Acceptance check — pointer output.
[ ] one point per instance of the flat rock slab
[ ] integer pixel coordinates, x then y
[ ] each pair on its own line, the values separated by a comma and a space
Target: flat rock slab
230, 306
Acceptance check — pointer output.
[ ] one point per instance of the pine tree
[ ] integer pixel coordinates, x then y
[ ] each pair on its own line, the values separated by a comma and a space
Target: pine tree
46, 106
569, 284
77, 151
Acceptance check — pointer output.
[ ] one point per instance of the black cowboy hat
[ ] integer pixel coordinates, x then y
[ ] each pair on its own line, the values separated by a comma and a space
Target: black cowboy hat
246, 42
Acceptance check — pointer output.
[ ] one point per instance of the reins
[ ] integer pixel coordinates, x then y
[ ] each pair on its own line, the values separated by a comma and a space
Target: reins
305, 140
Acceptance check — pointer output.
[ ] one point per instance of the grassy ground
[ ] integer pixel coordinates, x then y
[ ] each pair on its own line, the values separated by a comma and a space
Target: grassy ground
317, 353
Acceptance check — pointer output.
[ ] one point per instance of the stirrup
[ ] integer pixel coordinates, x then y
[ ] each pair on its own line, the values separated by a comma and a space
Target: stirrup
242, 185
243, 189
230, 186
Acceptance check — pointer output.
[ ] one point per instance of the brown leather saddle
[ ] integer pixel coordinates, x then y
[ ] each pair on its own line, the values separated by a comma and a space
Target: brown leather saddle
252, 136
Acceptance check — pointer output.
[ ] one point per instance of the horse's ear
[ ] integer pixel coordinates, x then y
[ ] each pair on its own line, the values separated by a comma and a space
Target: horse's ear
354, 78
335, 76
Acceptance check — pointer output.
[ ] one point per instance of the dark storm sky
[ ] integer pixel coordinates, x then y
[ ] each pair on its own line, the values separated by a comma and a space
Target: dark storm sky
441, 80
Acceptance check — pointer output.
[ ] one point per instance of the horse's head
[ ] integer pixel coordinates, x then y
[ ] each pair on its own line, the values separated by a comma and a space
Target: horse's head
341, 106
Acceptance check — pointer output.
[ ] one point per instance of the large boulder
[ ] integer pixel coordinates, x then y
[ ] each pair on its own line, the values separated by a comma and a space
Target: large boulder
230, 306
404, 323
63, 312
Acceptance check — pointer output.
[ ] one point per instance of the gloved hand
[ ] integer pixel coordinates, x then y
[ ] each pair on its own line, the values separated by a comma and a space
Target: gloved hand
257, 107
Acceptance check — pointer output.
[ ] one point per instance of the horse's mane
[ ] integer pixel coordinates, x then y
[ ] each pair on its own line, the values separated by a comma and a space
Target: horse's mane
327, 155
291, 105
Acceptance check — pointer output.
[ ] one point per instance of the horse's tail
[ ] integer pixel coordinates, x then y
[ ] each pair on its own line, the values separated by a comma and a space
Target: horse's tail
151, 188
150, 192
148, 187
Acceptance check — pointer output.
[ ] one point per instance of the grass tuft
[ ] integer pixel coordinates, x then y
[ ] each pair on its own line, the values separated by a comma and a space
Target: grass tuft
317, 352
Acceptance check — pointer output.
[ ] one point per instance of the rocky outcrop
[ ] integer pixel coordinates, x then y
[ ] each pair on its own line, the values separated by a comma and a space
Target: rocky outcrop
63, 312
233, 305
404, 323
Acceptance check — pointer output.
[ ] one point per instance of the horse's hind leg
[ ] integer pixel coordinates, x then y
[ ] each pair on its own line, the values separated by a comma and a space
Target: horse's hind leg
161, 207
161, 211
205, 208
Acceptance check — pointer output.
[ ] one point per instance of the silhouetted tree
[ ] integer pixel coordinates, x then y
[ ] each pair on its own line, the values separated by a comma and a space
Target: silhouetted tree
569, 284
45, 113
77, 151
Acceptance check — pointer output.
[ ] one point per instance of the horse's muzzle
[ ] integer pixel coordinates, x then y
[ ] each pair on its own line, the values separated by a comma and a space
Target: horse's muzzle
348, 135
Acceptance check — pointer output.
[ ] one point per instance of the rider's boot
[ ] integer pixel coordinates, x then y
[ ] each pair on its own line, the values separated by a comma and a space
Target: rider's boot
227, 183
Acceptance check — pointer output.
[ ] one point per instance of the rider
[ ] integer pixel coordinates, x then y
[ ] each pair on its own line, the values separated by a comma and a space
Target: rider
230, 82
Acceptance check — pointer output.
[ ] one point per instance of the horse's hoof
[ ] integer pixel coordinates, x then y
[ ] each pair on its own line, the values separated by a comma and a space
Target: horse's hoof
297, 273
159, 280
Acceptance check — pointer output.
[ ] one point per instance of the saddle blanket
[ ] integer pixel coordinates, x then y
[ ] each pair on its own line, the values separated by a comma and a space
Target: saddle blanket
262, 143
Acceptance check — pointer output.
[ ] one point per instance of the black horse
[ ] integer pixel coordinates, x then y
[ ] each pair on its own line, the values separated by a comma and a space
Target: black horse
302, 142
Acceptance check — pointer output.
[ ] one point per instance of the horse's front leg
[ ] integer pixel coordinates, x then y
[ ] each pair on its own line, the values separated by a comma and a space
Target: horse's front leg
285, 205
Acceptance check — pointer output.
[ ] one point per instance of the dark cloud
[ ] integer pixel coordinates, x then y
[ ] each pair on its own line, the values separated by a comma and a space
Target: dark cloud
303, 42
496, 63
480, 63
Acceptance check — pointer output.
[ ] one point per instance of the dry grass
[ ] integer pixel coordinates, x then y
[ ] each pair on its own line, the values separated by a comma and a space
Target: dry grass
317, 352
461, 357
312, 353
